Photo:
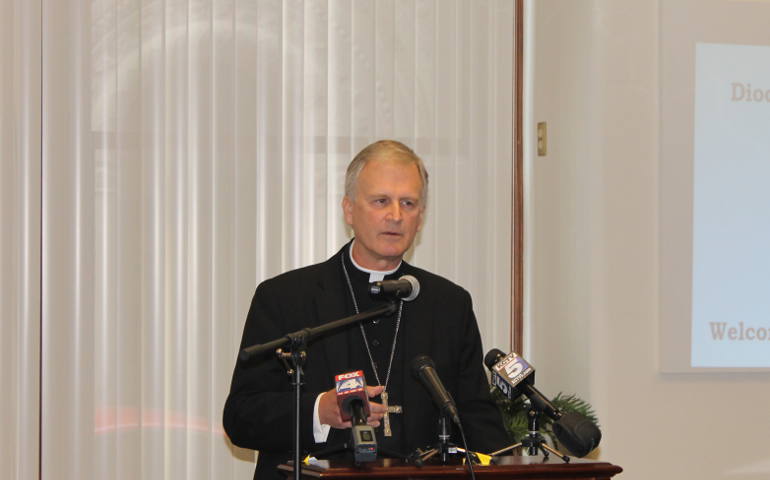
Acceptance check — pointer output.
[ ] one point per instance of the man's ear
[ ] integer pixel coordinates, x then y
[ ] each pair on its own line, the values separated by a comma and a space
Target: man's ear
421, 219
347, 210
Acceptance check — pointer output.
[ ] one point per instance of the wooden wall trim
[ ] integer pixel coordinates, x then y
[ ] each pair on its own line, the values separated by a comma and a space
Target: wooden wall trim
517, 224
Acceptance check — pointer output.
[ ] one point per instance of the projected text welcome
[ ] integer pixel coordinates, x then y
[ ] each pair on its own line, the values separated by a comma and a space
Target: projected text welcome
722, 331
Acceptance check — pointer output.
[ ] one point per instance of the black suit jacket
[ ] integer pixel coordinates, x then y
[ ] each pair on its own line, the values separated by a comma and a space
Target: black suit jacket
440, 323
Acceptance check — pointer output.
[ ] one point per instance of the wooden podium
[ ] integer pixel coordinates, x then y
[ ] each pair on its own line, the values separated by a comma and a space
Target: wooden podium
508, 468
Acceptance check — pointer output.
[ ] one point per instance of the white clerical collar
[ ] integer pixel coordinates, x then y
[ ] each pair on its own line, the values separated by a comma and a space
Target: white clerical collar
374, 275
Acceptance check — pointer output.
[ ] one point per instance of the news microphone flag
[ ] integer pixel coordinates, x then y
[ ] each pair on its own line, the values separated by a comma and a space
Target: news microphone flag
354, 406
351, 386
509, 372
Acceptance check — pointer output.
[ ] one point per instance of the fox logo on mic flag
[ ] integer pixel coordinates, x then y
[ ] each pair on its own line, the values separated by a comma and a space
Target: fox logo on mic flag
351, 386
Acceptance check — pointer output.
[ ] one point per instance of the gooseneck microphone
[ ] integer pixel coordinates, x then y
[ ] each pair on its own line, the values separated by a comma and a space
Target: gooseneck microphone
424, 369
406, 288
514, 377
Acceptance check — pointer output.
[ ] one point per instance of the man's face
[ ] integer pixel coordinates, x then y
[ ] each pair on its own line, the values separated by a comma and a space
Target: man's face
386, 212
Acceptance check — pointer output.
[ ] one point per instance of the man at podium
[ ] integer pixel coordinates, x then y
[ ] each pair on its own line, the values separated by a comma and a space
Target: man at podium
386, 189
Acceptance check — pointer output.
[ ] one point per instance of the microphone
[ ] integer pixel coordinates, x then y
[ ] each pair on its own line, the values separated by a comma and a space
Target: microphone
514, 377
407, 288
354, 406
579, 434
351, 389
424, 369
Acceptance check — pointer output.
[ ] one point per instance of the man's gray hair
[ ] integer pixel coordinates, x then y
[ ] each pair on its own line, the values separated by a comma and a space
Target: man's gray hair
395, 149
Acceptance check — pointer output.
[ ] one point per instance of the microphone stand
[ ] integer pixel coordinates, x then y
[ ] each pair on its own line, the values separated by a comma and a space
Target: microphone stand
444, 447
534, 440
294, 360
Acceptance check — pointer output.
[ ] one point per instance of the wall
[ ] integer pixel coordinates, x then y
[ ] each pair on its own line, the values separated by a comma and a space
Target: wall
593, 254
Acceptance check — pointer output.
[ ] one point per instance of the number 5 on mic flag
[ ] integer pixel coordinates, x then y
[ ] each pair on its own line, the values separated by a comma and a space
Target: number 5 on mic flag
509, 372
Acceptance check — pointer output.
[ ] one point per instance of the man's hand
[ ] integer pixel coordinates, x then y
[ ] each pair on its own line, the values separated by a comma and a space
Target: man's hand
329, 411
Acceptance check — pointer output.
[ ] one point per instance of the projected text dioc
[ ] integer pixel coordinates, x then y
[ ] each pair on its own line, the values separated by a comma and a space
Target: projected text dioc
743, 92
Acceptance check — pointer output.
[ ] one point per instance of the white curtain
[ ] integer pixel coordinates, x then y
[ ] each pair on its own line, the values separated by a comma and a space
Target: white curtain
186, 150
20, 42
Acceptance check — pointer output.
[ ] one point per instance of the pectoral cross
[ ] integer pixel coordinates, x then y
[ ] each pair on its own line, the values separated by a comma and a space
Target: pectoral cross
389, 409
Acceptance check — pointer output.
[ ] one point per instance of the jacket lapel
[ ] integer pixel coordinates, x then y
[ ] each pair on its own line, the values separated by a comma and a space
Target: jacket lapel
331, 305
418, 333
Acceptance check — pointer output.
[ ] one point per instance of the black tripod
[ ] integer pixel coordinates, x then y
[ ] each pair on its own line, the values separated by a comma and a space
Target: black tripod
533, 441
444, 447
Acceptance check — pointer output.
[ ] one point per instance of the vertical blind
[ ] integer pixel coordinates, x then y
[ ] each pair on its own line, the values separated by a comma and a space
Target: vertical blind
161, 158
20, 210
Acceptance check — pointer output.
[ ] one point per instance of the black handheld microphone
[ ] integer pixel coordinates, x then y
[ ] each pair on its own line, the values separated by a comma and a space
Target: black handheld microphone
424, 369
514, 376
354, 406
407, 288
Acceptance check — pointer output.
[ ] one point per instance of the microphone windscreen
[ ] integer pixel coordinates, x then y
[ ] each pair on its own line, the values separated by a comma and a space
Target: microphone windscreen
415, 290
420, 362
577, 433
492, 357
